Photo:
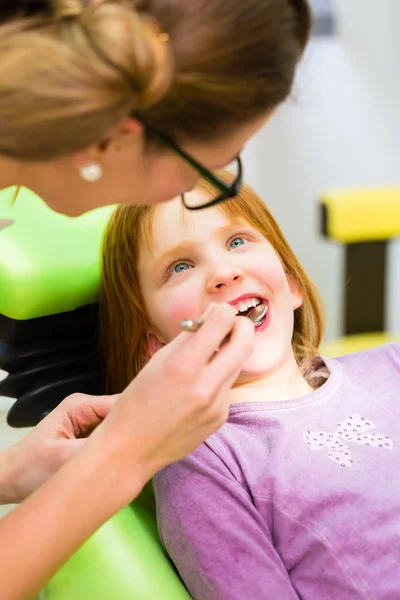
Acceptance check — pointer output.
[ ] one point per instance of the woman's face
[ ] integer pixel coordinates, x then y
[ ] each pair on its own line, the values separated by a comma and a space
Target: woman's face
132, 174
200, 258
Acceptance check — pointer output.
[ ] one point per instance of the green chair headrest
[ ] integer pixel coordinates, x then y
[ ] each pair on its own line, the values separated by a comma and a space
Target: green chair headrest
49, 263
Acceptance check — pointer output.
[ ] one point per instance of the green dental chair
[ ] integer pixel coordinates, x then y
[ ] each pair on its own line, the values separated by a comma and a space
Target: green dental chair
364, 221
49, 283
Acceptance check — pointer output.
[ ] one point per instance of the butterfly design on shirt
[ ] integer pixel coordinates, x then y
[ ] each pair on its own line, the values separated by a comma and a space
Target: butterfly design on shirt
355, 428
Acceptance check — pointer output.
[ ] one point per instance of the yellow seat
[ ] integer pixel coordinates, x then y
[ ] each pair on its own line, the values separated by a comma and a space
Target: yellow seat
354, 216
355, 343
364, 221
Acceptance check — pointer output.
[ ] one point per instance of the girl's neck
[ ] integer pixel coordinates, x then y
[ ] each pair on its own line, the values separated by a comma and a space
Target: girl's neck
285, 382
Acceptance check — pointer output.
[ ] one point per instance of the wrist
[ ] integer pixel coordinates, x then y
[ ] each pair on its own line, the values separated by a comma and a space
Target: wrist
9, 476
122, 471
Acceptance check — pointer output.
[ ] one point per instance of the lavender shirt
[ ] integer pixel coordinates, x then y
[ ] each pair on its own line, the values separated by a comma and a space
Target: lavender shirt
295, 499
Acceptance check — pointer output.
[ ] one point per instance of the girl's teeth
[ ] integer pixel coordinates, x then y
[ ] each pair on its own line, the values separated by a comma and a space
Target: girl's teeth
249, 303
258, 314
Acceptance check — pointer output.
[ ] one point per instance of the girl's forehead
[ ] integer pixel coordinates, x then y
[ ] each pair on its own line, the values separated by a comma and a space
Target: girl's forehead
173, 220
172, 224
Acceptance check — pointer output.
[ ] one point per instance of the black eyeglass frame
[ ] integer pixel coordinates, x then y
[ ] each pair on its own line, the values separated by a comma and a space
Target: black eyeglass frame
227, 191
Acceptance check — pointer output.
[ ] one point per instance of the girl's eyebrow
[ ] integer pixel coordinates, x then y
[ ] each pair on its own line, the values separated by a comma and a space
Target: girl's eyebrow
172, 251
187, 245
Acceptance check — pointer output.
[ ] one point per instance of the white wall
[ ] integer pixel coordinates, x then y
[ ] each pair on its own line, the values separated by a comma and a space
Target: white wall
374, 44
341, 128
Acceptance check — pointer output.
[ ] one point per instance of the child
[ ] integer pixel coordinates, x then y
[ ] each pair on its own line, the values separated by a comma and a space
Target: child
298, 494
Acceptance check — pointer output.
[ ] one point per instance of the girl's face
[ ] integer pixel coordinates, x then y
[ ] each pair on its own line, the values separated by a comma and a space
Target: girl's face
204, 257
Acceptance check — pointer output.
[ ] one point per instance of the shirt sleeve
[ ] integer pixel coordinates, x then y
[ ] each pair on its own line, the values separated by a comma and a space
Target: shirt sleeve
217, 539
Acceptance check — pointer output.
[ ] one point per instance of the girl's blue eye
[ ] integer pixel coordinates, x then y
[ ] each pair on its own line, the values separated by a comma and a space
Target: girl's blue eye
236, 242
180, 267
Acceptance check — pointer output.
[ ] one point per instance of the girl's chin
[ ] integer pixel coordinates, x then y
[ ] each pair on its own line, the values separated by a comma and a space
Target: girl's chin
253, 372
265, 359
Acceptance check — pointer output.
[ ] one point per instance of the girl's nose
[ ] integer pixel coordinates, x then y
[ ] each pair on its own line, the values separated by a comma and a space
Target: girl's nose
222, 277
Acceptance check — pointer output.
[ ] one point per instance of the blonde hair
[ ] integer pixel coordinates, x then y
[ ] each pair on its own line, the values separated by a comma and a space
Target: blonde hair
70, 70
123, 318
57, 93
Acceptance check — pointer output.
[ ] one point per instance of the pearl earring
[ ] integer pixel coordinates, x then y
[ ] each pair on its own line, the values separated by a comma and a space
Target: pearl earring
91, 171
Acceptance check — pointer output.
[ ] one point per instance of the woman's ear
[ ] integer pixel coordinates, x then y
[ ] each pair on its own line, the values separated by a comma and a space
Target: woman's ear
122, 136
118, 138
154, 344
297, 298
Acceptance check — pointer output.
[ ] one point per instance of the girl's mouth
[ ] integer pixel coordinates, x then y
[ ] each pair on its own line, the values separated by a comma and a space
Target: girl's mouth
255, 309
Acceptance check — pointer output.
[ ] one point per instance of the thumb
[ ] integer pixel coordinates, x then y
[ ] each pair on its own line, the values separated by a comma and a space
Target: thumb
87, 412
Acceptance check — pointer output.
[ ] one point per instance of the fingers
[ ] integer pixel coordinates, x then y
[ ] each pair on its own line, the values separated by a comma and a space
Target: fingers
200, 346
228, 362
85, 412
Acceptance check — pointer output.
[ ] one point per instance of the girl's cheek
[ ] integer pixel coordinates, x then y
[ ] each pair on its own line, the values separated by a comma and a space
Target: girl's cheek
185, 305
271, 272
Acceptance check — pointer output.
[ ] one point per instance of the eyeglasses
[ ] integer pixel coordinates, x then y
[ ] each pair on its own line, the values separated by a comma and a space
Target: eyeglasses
226, 191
